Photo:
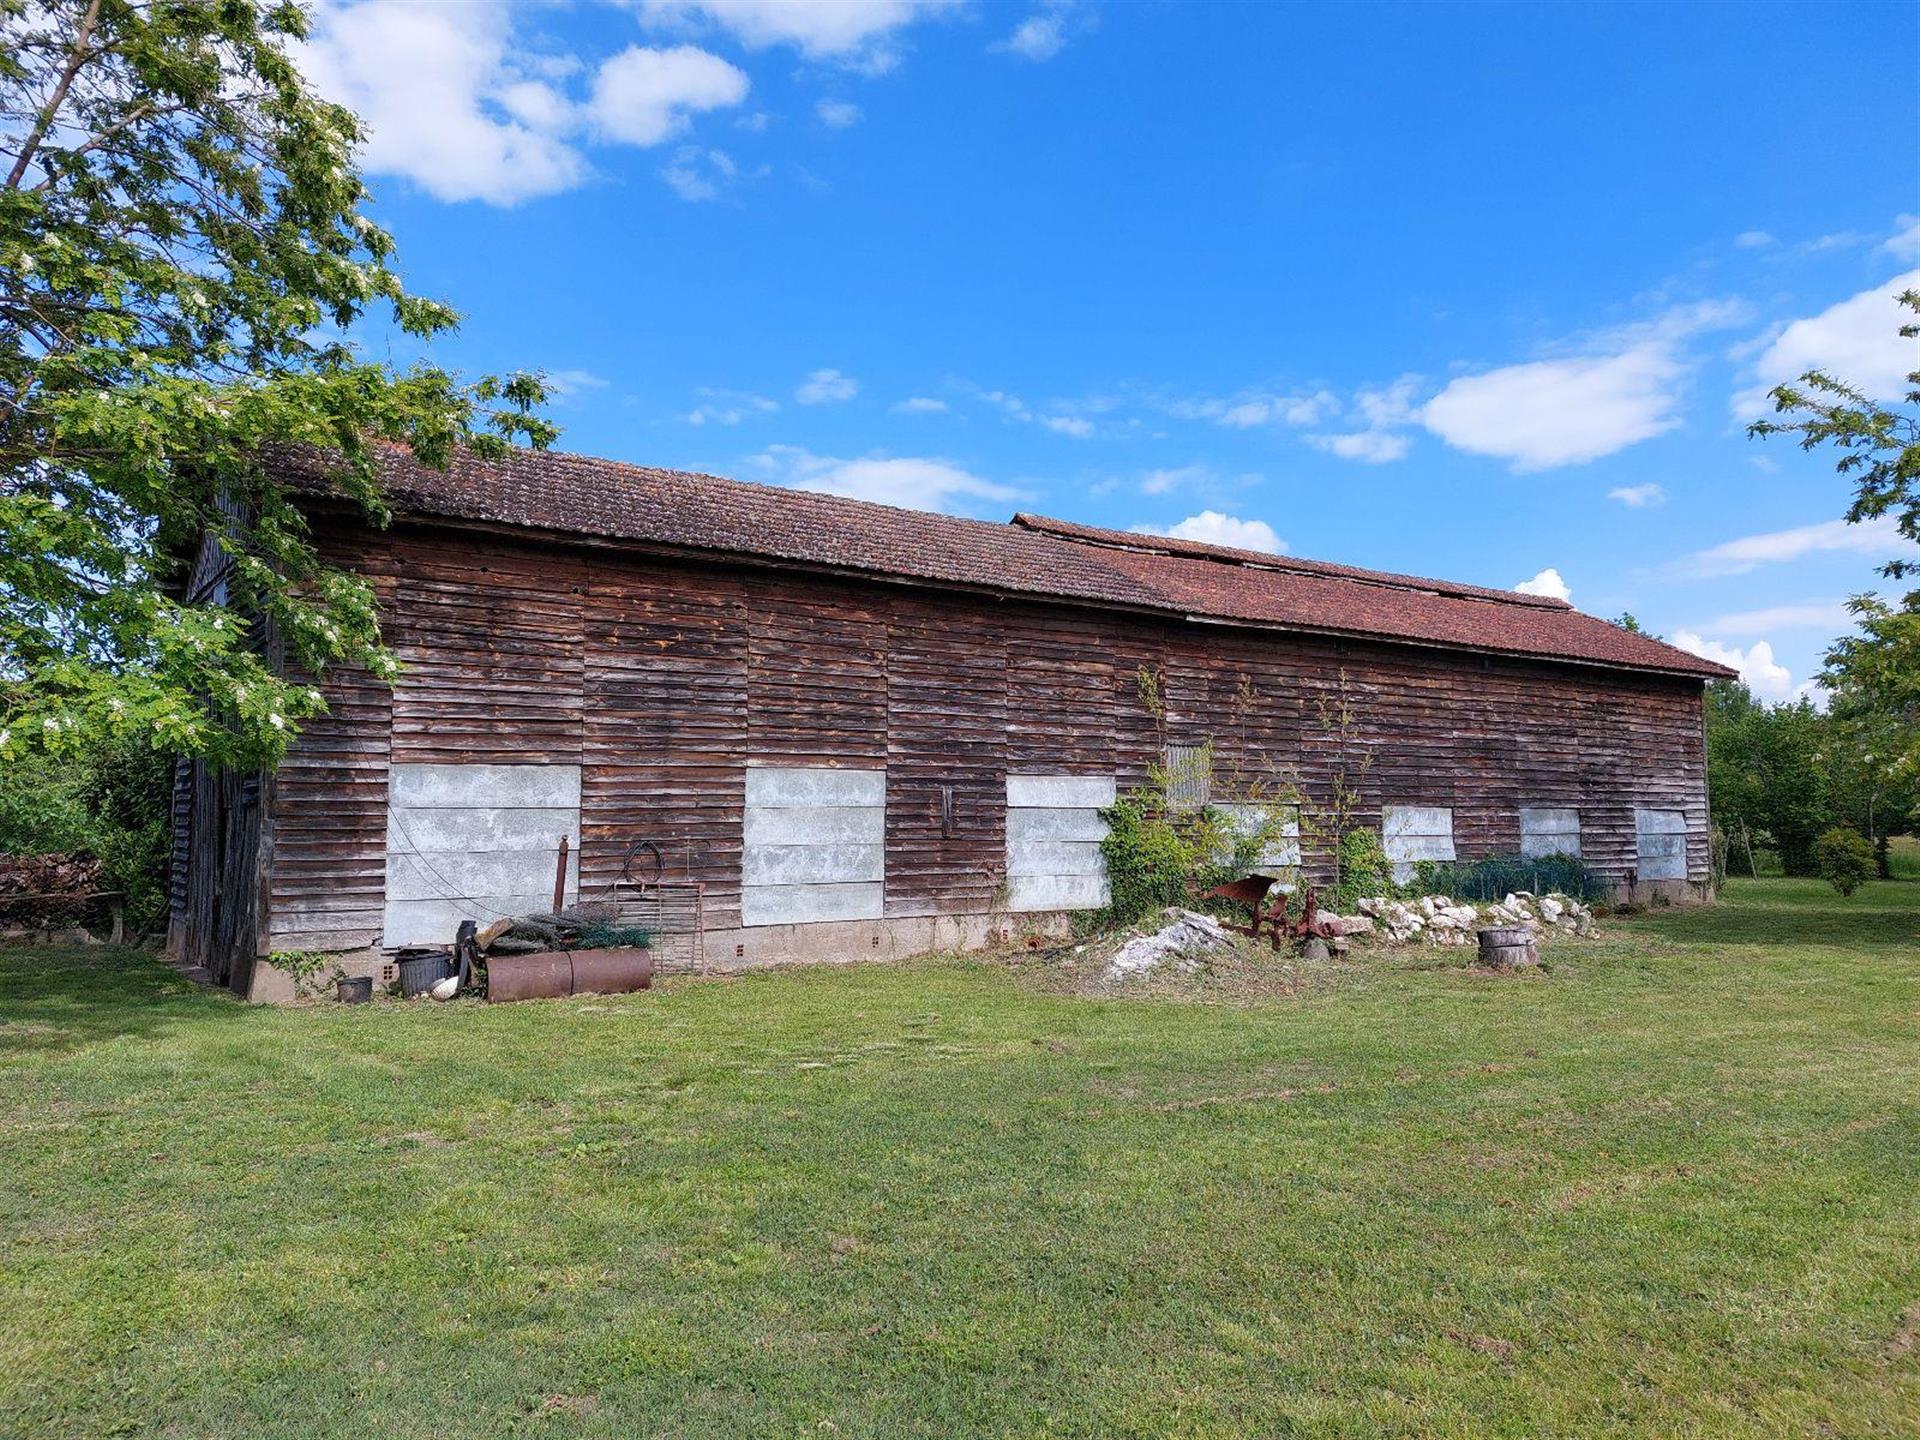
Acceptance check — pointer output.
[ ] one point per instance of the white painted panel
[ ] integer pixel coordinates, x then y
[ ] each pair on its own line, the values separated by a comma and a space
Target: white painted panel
454, 874
515, 787
473, 842
816, 785
803, 904
1411, 833
816, 825
1660, 822
1416, 820
1663, 844
479, 829
436, 922
813, 845
1055, 824
1283, 849
1070, 792
1057, 892
1055, 857
811, 864
1054, 832
1549, 831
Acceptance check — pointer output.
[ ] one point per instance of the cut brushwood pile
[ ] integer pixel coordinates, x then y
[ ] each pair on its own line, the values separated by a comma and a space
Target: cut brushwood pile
592, 924
39, 891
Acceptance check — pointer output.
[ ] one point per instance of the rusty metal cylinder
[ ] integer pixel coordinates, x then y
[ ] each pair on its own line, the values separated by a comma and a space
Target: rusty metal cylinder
529, 977
611, 972
1508, 947
555, 973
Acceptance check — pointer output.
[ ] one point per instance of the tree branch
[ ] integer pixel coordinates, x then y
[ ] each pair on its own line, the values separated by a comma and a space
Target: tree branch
44, 122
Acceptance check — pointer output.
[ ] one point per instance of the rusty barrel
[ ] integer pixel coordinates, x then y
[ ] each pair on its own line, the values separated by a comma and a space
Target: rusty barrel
1508, 947
554, 973
611, 972
529, 977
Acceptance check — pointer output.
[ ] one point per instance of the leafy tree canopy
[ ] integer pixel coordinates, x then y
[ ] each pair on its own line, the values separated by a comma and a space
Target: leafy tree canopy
1874, 674
181, 254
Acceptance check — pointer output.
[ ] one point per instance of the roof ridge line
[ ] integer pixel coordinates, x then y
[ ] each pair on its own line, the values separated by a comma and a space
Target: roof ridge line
1076, 532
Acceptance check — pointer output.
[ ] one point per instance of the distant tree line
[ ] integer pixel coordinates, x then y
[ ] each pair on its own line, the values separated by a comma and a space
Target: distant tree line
1781, 776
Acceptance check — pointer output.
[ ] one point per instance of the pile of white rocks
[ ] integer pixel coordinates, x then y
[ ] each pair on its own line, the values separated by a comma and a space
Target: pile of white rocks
1184, 943
1441, 920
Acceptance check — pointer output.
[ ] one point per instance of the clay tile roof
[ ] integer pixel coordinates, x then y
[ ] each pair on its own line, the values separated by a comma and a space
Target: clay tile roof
1054, 559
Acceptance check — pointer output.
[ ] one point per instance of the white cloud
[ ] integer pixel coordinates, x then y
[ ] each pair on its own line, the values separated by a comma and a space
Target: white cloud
729, 407
1386, 410
1753, 240
697, 174
1549, 413
837, 114
566, 385
1638, 497
1159, 482
1829, 615
1210, 527
851, 31
1250, 409
457, 102
1369, 447
826, 387
1857, 341
1838, 240
1763, 675
442, 103
913, 482
644, 96
1622, 387
1878, 537
1388, 405
1548, 583
1038, 37
1904, 243
1064, 419
920, 405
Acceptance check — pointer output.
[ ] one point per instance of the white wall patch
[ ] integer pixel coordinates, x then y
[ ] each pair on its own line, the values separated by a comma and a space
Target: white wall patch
814, 845
1054, 832
1412, 833
473, 842
1662, 837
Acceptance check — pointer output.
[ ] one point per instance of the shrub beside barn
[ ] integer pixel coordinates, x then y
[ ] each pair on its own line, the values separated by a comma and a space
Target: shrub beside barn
840, 729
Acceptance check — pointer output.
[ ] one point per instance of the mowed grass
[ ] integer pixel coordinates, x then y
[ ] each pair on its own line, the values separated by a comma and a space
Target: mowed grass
1671, 1188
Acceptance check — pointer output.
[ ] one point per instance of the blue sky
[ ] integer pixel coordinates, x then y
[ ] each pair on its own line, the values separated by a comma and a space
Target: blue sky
1480, 291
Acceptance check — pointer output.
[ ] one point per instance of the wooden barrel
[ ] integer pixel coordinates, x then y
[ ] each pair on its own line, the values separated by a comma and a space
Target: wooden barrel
1507, 947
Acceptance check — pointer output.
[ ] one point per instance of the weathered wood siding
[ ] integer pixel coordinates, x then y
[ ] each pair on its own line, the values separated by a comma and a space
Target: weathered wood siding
666, 680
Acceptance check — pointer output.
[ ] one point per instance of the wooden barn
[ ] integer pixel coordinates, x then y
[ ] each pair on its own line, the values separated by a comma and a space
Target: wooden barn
815, 727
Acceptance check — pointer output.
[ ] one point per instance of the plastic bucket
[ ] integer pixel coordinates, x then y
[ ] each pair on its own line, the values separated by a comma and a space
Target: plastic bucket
420, 973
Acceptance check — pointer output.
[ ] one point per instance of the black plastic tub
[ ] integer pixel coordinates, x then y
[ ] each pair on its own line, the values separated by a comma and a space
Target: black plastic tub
354, 989
420, 973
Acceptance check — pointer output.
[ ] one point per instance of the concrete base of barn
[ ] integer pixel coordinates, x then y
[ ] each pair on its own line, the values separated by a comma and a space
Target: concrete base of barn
760, 947
897, 938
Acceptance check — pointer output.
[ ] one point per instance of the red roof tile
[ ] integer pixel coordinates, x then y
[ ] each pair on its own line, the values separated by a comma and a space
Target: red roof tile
1057, 559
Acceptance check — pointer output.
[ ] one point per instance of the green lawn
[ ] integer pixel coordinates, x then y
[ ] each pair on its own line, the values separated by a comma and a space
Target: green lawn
1671, 1188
